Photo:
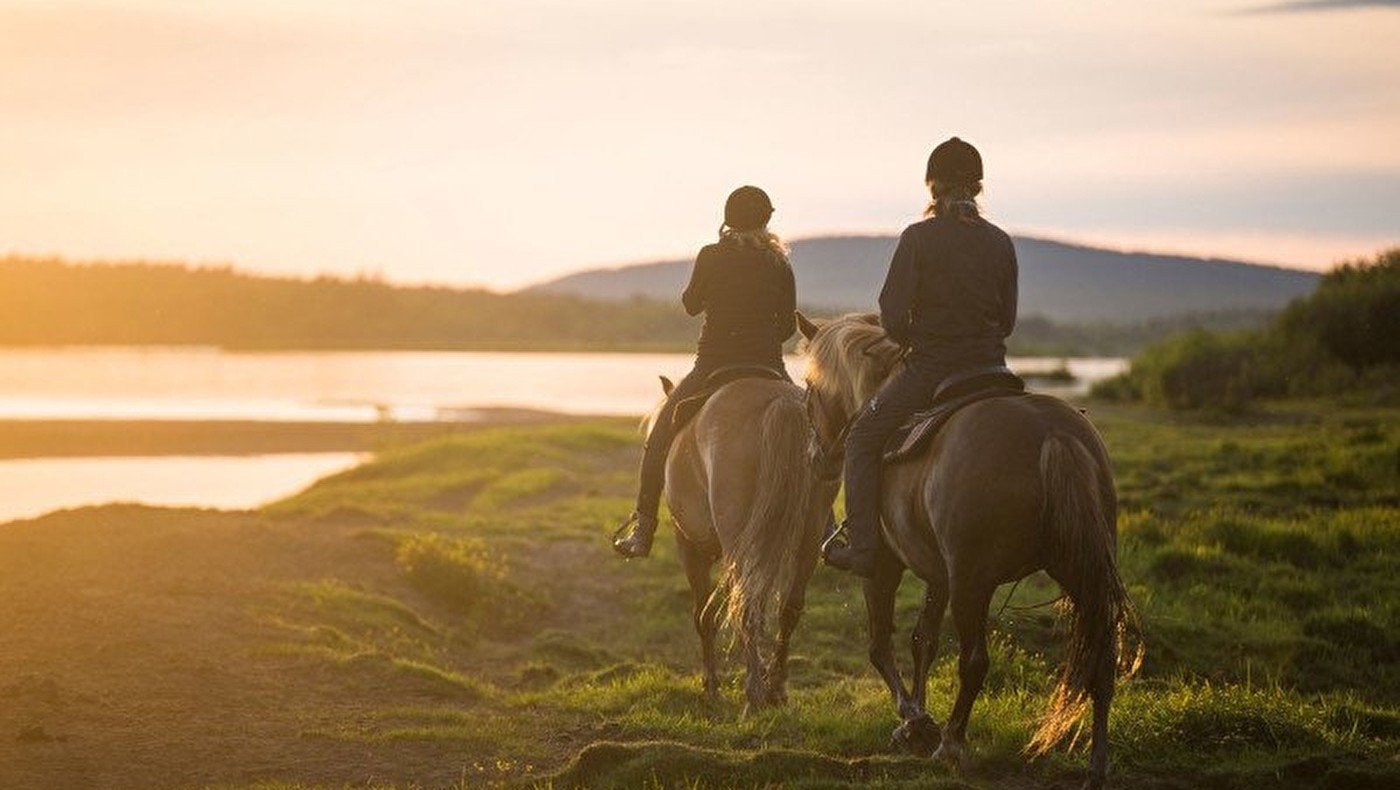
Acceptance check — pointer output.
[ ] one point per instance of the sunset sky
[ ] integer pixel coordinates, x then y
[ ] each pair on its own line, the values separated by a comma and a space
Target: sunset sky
500, 142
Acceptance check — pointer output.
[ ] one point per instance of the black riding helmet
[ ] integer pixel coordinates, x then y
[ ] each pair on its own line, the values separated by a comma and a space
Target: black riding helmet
748, 208
954, 161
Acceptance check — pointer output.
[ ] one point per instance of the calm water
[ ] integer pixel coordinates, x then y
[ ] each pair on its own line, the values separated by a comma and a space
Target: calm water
208, 384
37, 485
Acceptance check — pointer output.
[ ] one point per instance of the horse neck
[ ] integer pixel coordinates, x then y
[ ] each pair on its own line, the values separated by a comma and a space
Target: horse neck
857, 400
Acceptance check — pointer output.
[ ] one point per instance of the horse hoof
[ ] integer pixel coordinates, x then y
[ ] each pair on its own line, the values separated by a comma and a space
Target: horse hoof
919, 736
952, 755
710, 690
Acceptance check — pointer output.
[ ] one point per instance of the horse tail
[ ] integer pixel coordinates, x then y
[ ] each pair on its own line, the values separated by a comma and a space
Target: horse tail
1080, 519
763, 559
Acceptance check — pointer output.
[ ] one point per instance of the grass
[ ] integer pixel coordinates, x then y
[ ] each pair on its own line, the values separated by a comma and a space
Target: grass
486, 634
1262, 553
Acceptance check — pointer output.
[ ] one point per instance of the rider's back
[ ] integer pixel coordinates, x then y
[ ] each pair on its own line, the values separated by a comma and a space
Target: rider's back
952, 288
748, 297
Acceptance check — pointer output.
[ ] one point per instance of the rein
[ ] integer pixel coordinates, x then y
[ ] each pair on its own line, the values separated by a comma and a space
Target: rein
825, 453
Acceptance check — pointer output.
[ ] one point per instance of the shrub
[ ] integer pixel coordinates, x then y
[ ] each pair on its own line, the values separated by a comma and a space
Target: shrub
1343, 337
1196, 370
456, 572
1354, 315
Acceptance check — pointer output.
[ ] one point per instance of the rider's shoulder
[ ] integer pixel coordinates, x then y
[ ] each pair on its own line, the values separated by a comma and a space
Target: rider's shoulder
922, 229
710, 252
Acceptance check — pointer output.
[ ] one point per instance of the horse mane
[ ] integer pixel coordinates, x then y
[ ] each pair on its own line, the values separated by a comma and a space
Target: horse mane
849, 358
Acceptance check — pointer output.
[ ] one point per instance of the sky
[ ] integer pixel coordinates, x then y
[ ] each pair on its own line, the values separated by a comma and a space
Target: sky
503, 142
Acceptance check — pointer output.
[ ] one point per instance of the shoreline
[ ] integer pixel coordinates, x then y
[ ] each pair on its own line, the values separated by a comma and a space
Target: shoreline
86, 438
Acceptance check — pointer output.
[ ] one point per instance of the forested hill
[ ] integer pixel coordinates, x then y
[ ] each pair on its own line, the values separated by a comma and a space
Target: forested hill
1065, 283
48, 302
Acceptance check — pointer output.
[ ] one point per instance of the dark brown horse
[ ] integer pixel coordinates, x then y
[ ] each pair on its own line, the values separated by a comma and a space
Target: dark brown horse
741, 488
1008, 487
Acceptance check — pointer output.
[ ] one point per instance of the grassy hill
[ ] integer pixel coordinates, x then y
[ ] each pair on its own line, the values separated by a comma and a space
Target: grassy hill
1065, 283
449, 615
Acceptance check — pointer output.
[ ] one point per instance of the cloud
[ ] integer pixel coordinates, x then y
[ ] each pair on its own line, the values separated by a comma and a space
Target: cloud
1296, 6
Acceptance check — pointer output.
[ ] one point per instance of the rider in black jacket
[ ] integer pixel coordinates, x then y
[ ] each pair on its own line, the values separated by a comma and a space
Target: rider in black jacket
950, 300
744, 286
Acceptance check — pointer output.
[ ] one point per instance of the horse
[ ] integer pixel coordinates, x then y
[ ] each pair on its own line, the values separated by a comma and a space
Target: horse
741, 491
1008, 487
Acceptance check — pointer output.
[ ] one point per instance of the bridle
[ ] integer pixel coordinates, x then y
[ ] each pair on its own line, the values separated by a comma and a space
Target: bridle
826, 458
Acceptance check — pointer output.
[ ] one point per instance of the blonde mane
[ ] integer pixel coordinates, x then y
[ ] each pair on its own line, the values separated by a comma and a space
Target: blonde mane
849, 358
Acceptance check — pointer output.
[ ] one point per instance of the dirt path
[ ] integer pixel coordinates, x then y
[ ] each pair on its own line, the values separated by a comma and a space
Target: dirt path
132, 653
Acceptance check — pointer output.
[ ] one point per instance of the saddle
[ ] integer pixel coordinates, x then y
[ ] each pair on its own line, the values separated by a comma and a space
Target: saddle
958, 391
688, 408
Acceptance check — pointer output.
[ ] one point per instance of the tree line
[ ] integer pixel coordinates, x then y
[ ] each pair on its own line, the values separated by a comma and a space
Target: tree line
46, 301
1342, 339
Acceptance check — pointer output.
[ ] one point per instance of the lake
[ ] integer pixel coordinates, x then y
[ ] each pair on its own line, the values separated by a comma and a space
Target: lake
33, 486
358, 386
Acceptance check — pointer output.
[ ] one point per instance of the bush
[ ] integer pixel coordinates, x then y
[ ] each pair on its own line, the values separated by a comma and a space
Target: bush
1343, 337
1354, 316
1198, 369
456, 572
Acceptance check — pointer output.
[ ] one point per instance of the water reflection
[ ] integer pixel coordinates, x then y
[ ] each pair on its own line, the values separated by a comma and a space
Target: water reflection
35, 486
209, 384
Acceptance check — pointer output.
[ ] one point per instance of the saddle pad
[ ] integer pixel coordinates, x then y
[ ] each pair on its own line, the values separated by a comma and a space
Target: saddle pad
925, 425
688, 408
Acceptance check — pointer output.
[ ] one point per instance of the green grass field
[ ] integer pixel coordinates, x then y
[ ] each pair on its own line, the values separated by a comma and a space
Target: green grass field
450, 615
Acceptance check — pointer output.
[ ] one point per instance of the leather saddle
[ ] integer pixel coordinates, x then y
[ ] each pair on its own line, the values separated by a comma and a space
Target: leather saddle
953, 394
688, 408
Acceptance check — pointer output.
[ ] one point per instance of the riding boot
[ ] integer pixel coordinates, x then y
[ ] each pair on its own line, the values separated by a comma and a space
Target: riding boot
636, 542
841, 552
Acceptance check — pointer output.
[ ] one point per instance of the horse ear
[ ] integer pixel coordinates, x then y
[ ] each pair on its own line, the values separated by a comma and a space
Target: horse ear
666, 385
805, 326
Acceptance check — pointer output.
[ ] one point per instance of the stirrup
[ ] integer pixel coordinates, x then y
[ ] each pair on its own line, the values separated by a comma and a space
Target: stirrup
626, 527
627, 544
839, 538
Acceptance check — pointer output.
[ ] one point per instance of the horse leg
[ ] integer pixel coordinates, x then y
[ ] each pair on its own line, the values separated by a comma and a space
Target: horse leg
880, 591
970, 619
705, 608
1102, 694
751, 635
923, 643
921, 733
788, 615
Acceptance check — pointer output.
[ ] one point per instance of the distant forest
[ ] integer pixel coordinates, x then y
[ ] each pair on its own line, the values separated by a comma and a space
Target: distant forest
52, 302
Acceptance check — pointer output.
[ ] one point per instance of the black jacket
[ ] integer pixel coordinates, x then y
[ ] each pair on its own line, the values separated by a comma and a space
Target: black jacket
951, 289
749, 300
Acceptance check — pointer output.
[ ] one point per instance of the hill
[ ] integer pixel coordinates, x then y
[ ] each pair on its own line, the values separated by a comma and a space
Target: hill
1065, 283
52, 302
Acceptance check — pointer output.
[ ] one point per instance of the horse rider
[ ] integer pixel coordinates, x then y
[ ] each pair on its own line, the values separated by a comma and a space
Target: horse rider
950, 300
744, 286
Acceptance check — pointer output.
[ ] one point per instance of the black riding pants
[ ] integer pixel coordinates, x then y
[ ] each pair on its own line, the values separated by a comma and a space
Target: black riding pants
652, 477
909, 391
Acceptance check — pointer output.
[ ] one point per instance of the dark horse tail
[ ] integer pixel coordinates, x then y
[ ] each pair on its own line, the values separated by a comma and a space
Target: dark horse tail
1079, 516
